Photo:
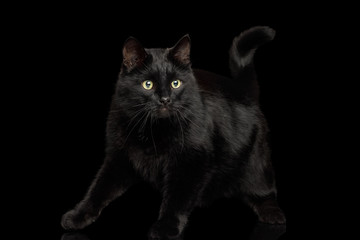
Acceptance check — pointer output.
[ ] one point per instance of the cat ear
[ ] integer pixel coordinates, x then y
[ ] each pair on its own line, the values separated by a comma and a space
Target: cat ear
181, 51
133, 53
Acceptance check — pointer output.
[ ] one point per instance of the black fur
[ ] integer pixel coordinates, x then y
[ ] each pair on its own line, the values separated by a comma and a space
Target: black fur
206, 141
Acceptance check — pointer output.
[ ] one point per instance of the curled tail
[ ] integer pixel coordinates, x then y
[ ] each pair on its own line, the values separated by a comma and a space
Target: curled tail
242, 54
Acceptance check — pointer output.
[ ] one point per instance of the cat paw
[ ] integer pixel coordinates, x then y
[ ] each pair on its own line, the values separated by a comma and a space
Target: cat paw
161, 231
272, 215
73, 220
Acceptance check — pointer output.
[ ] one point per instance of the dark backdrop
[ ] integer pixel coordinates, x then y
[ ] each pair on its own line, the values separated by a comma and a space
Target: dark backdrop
74, 57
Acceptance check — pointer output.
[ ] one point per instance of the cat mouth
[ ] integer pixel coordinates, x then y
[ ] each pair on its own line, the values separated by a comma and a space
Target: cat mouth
163, 111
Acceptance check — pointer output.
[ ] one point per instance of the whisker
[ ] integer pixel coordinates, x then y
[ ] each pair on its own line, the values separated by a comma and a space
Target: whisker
119, 110
138, 105
185, 118
182, 131
151, 131
144, 122
144, 114
137, 113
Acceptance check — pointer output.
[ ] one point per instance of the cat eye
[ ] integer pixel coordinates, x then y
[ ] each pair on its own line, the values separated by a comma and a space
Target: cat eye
147, 84
176, 84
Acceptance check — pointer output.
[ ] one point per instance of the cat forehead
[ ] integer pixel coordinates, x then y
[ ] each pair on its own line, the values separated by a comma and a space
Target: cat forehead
160, 62
159, 56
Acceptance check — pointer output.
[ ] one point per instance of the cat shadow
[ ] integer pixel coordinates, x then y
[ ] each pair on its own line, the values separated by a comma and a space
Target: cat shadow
261, 231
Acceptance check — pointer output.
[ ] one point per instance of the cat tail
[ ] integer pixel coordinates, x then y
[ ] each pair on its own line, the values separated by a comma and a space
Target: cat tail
242, 54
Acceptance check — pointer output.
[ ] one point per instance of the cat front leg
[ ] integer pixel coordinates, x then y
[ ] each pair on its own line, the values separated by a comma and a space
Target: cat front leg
169, 227
183, 188
112, 180
268, 210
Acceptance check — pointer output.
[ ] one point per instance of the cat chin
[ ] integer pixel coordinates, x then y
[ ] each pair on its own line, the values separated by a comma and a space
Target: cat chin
163, 112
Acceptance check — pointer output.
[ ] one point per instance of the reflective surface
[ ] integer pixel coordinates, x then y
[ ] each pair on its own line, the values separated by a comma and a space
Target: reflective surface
267, 232
259, 232
131, 216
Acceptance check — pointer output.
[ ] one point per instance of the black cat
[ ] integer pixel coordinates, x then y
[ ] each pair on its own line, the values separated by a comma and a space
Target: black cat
194, 135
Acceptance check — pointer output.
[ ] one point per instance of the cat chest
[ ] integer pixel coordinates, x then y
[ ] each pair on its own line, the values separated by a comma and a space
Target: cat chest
148, 164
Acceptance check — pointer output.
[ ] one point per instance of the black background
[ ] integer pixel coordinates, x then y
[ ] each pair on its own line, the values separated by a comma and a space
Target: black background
68, 59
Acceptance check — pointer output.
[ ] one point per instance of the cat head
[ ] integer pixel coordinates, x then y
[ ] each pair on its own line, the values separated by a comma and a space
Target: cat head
156, 81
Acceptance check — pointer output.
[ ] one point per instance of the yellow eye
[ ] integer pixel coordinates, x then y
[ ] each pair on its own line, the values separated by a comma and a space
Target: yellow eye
176, 84
147, 84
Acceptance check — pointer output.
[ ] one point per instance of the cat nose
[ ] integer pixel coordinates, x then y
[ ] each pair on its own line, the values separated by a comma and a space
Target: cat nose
165, 100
